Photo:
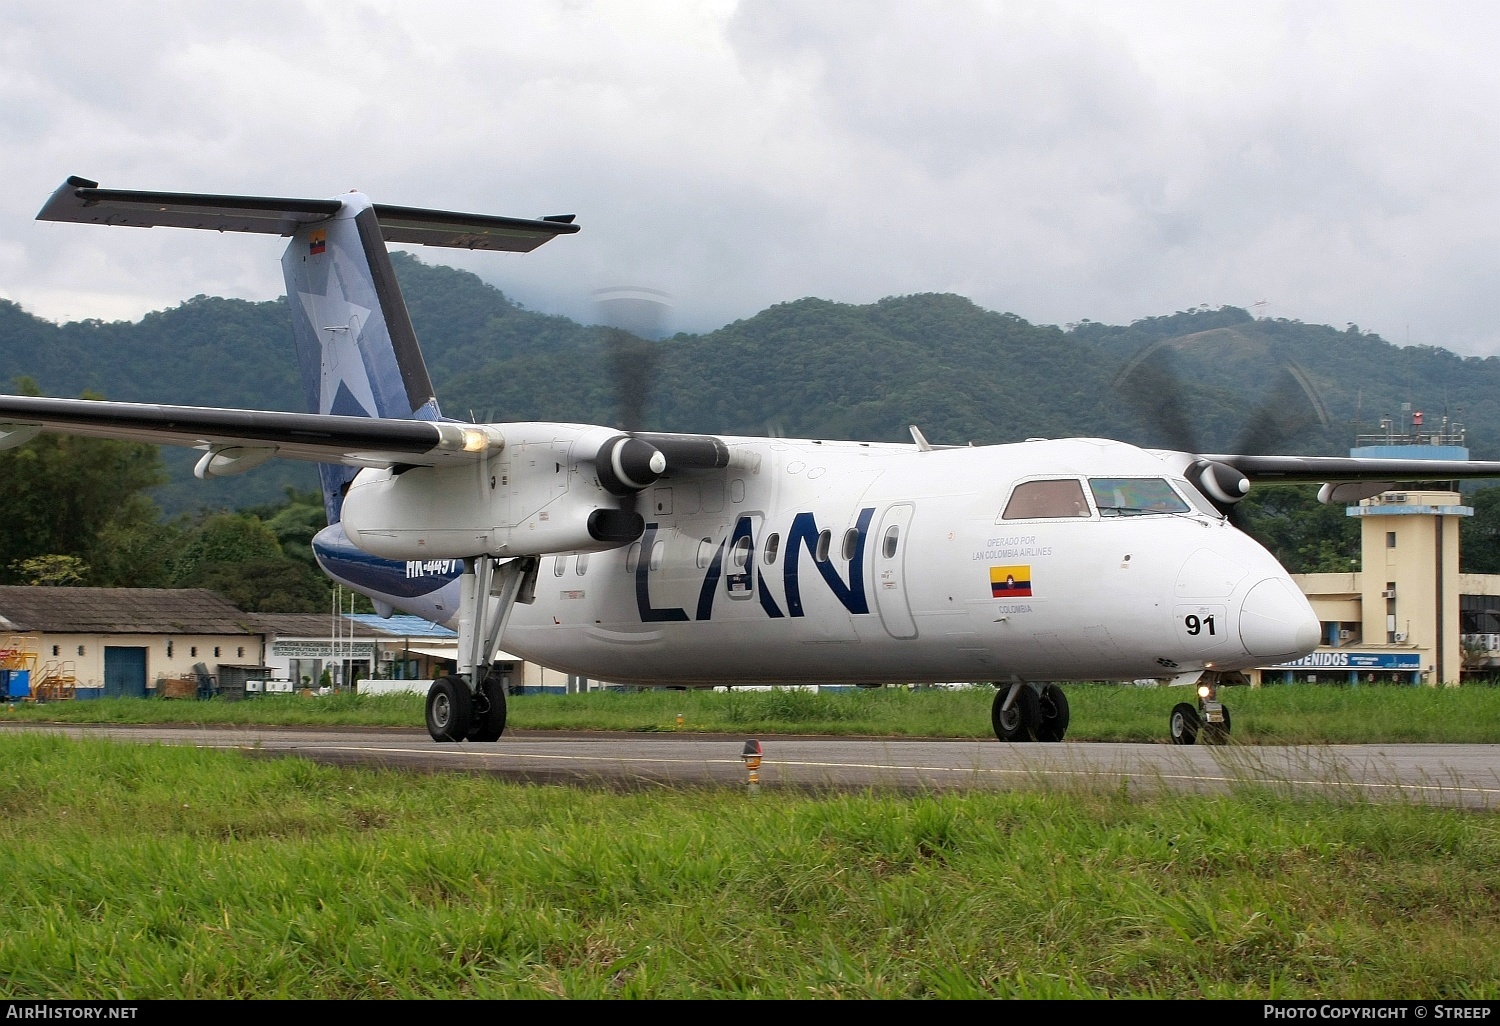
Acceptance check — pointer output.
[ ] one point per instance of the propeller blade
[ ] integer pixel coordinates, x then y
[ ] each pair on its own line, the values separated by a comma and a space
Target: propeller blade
632, 366
1289, 407
632, 314
1149, 385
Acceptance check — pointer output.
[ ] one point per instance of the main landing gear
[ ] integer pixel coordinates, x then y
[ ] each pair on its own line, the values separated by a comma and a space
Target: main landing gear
1208, 720
1029, 712
470, 705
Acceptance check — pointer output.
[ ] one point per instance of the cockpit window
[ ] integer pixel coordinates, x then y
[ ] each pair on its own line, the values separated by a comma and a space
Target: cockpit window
1199, 500
1135, 496
1046, 499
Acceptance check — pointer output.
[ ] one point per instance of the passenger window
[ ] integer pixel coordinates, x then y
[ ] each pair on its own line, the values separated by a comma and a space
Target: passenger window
1135, 496
658, 553
825, 541
558, 565
740, 556
705, 553
1046, 499
892, 535
773, 543
582, 566
633, 558
851, 544
737, 490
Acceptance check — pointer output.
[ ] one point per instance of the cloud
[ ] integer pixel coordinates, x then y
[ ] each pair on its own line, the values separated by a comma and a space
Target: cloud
1058, 160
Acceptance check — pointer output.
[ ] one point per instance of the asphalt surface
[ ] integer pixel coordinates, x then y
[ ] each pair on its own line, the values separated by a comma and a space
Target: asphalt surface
1465, 775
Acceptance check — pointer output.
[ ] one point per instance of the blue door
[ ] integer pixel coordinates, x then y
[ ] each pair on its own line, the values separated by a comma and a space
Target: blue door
124, 672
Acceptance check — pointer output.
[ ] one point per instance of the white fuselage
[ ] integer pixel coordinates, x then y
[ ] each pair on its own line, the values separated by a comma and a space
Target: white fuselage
955, 592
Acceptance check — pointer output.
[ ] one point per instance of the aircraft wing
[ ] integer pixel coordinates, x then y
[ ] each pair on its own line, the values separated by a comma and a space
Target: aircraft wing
82, 201
253, 435
1330, 469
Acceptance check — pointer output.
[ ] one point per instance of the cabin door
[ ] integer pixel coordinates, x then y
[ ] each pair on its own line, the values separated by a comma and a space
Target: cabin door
890, 543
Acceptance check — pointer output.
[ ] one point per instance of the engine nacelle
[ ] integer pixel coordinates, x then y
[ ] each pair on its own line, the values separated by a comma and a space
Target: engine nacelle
539, 494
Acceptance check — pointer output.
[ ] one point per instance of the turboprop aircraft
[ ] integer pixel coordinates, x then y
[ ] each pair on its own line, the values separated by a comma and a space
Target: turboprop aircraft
701, 560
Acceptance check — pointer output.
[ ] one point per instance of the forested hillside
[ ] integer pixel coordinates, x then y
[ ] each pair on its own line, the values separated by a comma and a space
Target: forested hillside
809, 367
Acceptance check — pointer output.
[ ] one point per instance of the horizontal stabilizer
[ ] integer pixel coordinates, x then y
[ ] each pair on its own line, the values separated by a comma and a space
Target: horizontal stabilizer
466, 231
82, 201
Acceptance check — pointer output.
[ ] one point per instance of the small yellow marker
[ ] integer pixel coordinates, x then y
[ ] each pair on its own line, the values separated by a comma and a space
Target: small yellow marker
752, 755
679, 721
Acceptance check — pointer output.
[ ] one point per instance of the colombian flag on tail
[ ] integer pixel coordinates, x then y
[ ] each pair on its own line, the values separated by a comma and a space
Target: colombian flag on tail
1010, 581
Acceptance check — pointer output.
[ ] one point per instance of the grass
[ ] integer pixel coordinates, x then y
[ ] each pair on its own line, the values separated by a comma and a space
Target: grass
150, 871
1286, 714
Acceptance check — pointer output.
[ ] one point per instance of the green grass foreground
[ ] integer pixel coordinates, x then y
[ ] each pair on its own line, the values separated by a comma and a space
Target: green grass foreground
1284, 714
156, 871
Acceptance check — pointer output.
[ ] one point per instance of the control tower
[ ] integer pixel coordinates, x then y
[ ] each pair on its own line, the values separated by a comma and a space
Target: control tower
1397, 618
1409, 545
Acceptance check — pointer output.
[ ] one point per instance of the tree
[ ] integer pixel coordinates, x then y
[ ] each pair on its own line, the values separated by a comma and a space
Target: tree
239, 556
63, 492
51, 571
1305, 536
1479, 535
294, 522
274, 584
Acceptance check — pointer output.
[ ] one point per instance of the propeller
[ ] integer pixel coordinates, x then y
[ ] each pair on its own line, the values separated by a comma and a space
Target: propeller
628, 465
1150, 385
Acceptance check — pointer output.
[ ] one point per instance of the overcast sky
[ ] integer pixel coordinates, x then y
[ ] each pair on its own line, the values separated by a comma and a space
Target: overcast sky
1062, 161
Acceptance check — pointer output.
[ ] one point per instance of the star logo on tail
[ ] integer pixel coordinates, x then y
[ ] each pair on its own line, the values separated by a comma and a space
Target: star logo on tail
344, 387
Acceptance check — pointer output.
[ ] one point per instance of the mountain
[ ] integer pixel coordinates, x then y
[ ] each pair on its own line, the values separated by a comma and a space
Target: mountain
806, 368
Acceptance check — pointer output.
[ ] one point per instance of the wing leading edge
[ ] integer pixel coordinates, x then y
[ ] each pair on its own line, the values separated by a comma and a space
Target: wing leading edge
1332, 469
318, 438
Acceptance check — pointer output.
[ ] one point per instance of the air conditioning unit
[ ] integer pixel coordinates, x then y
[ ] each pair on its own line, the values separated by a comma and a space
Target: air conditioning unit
1389, 593
1400, 637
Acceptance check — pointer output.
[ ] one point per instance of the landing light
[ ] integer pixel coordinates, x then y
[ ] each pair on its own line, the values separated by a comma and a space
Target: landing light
1204, 691
469, 438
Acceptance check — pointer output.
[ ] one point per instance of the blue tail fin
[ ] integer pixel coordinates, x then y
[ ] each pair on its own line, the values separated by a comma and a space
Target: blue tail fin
355, 344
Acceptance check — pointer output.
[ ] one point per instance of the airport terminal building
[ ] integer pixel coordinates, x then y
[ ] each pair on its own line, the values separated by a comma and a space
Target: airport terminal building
1408, 616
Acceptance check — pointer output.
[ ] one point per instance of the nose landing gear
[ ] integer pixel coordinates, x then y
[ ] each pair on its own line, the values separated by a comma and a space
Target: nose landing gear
1208, 720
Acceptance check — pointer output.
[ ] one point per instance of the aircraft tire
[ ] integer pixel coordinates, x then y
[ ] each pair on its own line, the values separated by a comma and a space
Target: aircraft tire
1021, 721
1054, 710
1217, 733
450, 709
1184, 724
489, 711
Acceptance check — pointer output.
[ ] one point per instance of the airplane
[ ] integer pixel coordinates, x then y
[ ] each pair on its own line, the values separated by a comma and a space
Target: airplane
698, 560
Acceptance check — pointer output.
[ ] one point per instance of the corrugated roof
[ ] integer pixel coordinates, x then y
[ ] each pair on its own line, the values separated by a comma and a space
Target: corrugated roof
310, 625
360, 625
403, 626
122, 611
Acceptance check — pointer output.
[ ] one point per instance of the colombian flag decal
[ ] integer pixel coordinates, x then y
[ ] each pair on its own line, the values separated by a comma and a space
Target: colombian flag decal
1010, 581
317, 242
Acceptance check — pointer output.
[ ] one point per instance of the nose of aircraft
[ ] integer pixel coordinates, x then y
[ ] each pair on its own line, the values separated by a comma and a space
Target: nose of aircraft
1276, 622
